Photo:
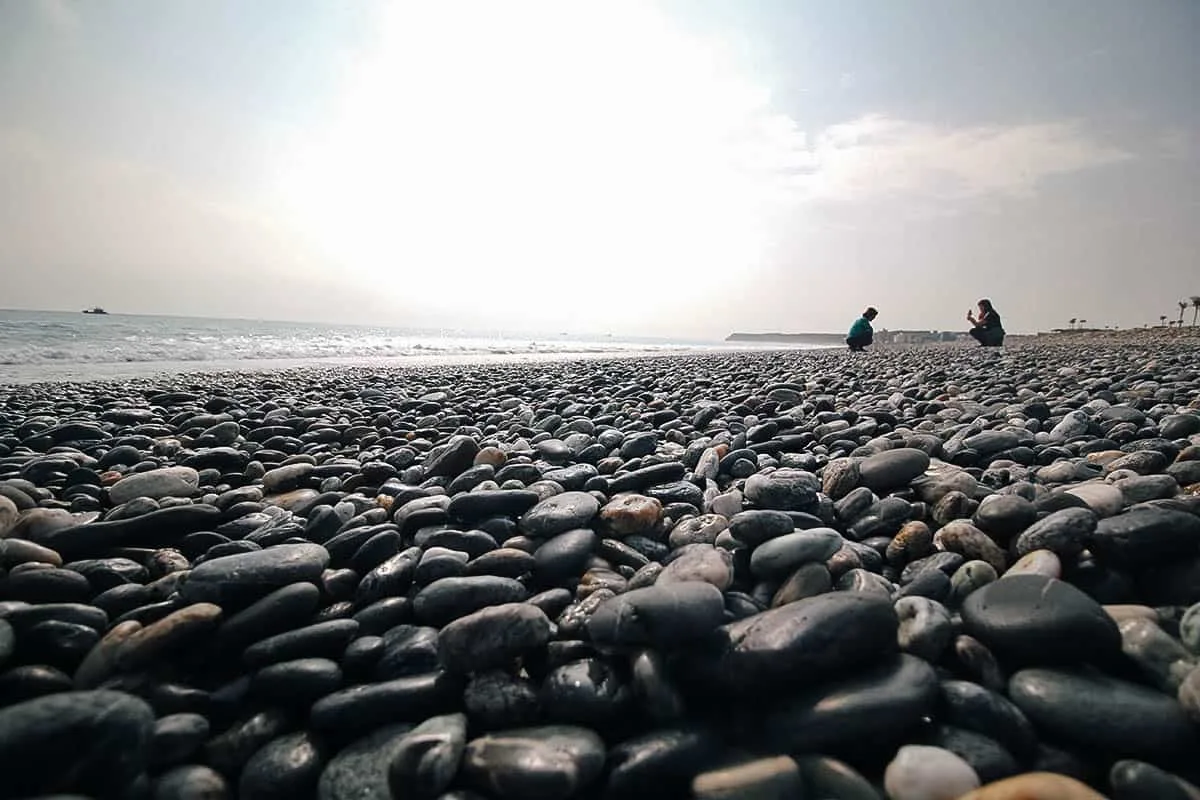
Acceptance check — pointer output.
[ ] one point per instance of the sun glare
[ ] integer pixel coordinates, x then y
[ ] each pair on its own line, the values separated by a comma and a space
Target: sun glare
515, 151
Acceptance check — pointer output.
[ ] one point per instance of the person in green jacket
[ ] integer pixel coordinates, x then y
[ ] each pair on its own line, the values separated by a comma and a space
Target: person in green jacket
861, 332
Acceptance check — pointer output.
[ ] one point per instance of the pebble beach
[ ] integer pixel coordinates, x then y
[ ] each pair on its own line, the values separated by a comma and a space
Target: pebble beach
919, 573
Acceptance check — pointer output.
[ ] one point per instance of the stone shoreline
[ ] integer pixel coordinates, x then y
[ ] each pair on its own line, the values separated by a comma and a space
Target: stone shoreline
255, 369
915, 573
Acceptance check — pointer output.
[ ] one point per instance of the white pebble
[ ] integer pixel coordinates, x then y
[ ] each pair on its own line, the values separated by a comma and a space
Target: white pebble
918, 772
1102, 498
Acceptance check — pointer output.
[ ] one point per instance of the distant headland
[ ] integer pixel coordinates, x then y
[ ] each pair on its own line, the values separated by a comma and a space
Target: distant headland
789, 338
882, 337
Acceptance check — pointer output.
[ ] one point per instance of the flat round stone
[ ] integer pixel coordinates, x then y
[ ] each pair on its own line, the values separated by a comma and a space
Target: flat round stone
1032, 619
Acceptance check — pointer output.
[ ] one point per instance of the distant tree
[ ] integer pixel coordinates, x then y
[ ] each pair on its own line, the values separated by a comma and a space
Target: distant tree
1082, 322
1195, 308
1183, 304
1071, 323
1162, 319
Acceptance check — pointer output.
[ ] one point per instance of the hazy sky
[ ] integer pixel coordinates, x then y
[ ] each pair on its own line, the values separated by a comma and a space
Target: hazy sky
684, 167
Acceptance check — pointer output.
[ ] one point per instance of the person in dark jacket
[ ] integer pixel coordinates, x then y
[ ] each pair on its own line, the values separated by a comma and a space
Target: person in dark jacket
986, 328
861, 332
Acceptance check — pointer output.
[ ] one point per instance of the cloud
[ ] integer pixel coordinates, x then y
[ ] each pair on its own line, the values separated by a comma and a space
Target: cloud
877, 157
1177, 144
60, 14
553, 134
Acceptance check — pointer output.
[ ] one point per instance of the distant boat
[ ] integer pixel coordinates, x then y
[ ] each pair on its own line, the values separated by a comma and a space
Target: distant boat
96, 310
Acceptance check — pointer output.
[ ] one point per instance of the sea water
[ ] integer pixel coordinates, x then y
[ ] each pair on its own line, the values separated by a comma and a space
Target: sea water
63, 346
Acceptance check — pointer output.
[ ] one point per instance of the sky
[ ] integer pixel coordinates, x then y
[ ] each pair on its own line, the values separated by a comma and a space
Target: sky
665, 167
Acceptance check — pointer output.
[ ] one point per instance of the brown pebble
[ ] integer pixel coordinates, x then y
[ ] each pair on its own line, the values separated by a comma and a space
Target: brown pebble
973, 544
20, 551
491, 455
913, 541
632, 513
1105, 457
101, 660
775, 778
169, 632
840, 477
292, 499
1035, 786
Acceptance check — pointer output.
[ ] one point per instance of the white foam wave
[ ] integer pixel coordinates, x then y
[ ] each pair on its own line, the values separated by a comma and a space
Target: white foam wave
40, 344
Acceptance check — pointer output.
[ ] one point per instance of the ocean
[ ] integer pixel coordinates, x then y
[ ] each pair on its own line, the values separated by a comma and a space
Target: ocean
65, 346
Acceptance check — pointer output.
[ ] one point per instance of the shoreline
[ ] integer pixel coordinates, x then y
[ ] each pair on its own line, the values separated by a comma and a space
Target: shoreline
13, 375
167, 371
22, 374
